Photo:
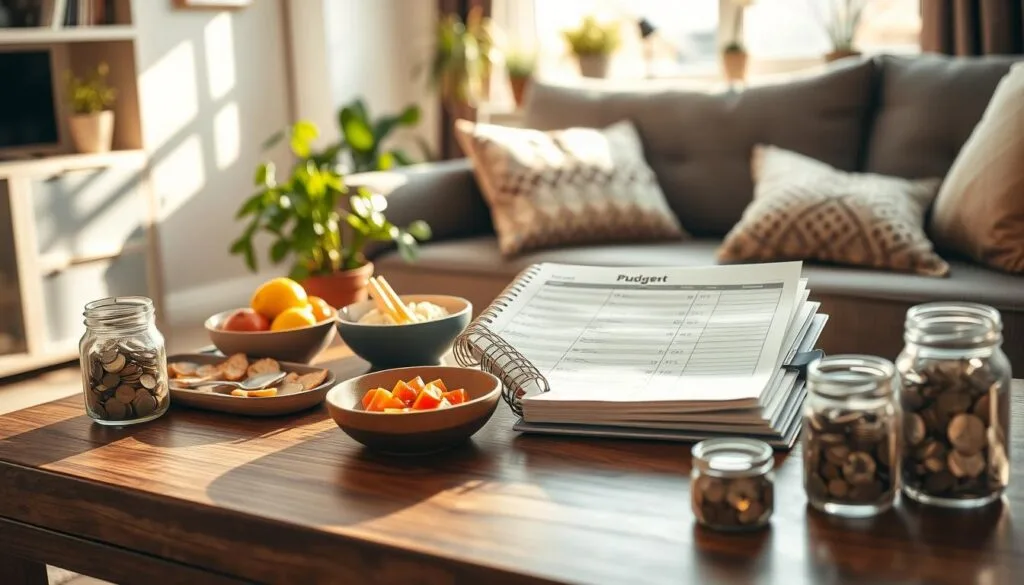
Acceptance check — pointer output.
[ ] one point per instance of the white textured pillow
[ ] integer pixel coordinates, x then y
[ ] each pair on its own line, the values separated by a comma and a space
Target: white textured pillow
804, 209
565, 187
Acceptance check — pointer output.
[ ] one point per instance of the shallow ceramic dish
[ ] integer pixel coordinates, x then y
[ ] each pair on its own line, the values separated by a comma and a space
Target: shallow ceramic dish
213, 398
413, 344
293, 345
415, 432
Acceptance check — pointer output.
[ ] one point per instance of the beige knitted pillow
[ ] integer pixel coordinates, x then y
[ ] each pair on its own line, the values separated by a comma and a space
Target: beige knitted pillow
804, 209
565, 187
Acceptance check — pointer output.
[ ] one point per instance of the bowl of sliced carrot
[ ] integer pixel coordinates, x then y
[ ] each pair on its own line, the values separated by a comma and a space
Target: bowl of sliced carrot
414, 410
393, 331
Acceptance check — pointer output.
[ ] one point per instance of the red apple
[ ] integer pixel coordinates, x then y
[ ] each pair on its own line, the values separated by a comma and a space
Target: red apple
246, 320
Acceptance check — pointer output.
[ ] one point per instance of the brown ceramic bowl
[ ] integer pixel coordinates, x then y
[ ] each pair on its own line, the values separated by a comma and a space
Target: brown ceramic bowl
299, 345
415, 432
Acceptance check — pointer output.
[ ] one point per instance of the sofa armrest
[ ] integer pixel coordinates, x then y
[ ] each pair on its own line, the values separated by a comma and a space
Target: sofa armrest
443, 194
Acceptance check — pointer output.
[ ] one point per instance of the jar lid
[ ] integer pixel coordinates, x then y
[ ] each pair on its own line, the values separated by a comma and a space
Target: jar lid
851, 376
733, 457
953, 325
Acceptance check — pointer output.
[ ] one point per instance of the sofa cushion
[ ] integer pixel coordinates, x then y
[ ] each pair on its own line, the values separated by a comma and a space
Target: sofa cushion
565, 187
927, 107
980, 209
699, 144
480, 256
804, 209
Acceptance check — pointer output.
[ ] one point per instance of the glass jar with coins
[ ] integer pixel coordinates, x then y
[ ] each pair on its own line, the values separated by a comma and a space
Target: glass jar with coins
955, 396
851, 443
124, 363
733, 483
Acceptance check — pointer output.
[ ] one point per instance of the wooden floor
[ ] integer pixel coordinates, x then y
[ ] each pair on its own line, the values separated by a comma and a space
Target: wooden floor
28, 390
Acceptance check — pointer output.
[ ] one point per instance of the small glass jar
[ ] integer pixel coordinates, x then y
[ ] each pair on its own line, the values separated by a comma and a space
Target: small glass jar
851, 435
955, 396
732, 484
124, 362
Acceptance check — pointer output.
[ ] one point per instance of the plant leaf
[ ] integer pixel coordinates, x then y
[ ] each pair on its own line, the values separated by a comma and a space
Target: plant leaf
303, 133
360, 205
378, 202
250, 256
385, 161
420, 230
410, 116
251, 205
265, 175
407, 248
273, 140
279, 250
299, 272
356, 130
401, 159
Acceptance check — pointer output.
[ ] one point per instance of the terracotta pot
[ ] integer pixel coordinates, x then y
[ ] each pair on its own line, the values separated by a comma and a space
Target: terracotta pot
593, 65
341, 288
734, 64
519, 85
92, 132
840, 54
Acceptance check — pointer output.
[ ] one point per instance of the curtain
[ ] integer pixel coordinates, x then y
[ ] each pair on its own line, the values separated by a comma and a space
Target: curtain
449, 147
972, 27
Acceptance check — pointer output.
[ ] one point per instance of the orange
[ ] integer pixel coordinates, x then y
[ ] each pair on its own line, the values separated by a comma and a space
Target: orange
293, 318
277, 296
321, 310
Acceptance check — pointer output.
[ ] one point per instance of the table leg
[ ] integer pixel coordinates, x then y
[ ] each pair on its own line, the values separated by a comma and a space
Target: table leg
19, 571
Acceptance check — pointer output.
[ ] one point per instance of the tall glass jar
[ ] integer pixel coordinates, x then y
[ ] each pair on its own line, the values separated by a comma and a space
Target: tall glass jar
851, 435
732, 484
124, 362
956, 399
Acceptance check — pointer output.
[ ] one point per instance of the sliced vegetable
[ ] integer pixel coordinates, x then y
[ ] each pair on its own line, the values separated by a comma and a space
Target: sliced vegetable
416, 384
368, 397
428, 399
404, 392
456, 396
383, 399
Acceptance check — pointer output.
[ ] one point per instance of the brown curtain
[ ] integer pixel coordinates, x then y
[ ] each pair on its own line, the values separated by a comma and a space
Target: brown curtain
972, 27
449, 147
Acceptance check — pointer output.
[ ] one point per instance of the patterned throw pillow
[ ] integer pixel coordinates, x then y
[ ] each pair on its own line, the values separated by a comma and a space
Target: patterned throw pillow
564, 187
804, 209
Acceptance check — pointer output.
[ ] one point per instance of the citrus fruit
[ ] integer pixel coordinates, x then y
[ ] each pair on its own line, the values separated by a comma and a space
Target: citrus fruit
278, 295
293, 318
321, 310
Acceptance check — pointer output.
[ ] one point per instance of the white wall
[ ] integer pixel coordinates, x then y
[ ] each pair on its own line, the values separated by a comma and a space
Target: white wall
363, 48
213, 86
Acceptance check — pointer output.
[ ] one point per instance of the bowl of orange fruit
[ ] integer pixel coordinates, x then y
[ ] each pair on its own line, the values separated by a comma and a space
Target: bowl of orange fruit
282, 322
414, 410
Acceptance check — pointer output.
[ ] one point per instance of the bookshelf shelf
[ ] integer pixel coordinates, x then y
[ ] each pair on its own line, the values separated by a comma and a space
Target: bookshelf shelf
71, 34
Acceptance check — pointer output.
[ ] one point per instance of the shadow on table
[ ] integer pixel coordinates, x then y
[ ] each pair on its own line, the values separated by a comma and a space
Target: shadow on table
330, 480
57, 441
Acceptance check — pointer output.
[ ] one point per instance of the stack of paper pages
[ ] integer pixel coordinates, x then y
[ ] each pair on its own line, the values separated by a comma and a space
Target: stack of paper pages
658, 352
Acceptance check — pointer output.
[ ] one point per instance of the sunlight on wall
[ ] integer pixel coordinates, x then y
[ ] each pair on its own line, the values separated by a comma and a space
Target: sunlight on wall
219, 42
181, 172
227, 135
168, 90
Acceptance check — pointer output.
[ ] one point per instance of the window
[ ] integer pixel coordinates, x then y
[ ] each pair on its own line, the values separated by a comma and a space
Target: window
779, 34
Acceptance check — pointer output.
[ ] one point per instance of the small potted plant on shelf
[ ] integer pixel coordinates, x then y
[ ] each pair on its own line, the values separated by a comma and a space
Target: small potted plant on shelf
306, 217
841, 24
593, 44
91, 122
461, 65
734, 53
520, 68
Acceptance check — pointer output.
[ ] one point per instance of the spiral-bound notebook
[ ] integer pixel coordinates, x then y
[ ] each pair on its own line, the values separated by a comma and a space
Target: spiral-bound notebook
650, 352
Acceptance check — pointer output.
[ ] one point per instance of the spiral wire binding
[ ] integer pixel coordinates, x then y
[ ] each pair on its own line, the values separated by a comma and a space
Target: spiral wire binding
500, 358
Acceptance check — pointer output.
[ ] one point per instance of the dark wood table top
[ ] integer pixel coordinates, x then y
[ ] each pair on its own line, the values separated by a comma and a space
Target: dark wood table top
294, 500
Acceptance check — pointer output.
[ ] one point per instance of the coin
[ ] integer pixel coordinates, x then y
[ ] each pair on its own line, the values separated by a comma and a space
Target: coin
115, 409
967, 434
961, 465
124, 380
841, 464
913, 428
114, 365
148, 381
732, 503
859, 468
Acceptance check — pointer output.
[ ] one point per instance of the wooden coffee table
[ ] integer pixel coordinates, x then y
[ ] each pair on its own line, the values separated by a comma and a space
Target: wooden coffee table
198, 497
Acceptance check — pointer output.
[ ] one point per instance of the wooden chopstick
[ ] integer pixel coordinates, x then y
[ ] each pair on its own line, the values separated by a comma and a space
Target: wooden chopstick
396, 301
382, 301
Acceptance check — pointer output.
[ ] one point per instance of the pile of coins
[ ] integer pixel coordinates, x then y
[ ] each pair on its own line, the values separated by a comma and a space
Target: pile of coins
126, 381
848, 458
732, 503
956, 416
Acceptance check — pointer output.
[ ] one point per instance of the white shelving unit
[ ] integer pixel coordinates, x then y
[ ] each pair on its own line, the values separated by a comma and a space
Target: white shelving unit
75, 34
75, 227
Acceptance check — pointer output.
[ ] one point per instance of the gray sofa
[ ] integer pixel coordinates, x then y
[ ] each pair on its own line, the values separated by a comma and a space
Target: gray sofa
905, 117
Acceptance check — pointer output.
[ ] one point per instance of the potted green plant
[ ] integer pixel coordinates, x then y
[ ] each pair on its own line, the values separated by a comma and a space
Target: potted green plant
734, 53
362, 138
593, 44
91, 123
520, 68
841, 24
462, 60
305, 217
